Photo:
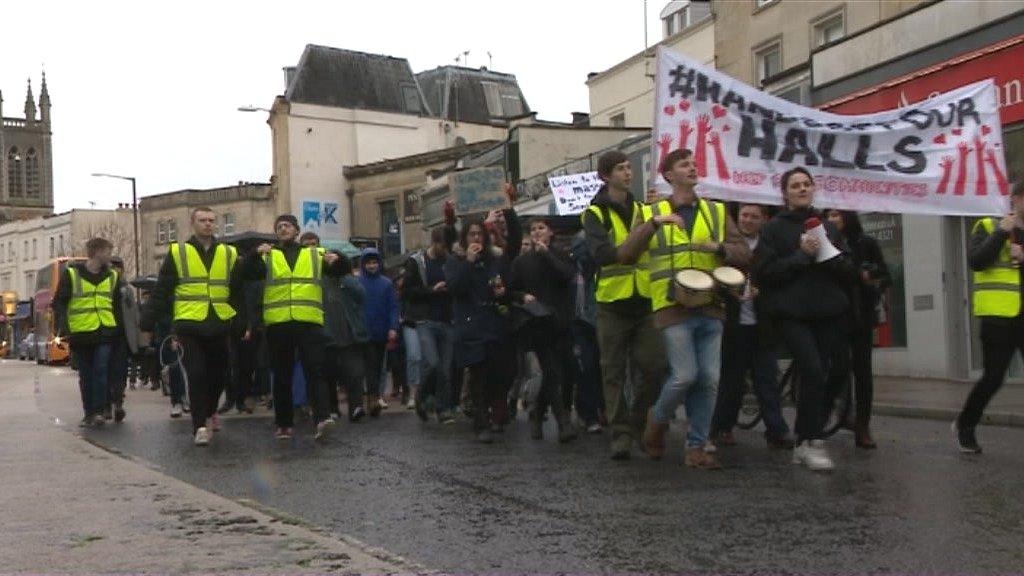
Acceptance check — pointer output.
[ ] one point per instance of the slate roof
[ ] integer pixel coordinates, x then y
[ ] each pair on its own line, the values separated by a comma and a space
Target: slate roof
457, 93
348, 79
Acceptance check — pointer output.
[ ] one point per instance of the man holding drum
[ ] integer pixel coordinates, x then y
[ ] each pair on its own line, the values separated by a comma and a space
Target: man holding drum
688, 240
625, 331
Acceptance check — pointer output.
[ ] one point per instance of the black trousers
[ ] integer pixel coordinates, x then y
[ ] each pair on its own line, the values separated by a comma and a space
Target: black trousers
745, 350
489, 383
812, 343
118, 378
206, 366
374, 356
243, 371
344, 367
290, 342
999, 340
861, 346
548, 342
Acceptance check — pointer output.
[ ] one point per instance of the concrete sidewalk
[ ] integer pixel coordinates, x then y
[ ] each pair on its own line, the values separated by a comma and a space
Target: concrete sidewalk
943, 399
69, 506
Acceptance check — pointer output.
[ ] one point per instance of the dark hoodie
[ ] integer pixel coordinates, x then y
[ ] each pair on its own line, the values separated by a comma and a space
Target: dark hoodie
792, 284
380, 309
603, 249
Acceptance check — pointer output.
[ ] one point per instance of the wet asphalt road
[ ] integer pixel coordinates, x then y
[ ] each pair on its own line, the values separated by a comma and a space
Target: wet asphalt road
431, 494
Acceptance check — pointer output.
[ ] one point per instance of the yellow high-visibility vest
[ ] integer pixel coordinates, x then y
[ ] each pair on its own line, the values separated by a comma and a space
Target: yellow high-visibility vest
996, 288
91, 305
199, 288
294, 294
671, 250
621, 281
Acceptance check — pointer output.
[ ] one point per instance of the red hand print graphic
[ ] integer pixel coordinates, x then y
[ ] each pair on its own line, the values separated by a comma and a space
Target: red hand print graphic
664, 145
981, 184
700, 155
961, 175
1004, 186
716, 145
684, 133
947, 170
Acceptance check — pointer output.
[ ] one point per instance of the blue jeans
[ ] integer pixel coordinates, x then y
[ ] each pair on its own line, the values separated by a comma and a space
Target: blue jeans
413, 356
694, 350
437, 344
93, 364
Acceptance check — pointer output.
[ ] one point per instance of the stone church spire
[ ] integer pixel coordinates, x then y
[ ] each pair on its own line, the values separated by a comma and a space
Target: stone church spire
30, 104
44, 102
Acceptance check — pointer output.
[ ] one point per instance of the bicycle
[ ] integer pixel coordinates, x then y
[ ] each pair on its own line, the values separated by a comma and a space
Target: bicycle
839, 401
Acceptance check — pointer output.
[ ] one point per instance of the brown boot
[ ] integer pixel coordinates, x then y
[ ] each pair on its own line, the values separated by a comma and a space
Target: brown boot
654, 437
862, 437
698, 458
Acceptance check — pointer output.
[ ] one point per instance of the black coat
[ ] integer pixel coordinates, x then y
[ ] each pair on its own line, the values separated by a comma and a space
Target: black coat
793, 285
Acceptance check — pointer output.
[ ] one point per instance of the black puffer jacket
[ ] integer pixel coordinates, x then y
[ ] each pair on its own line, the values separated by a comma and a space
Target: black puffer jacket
795, 286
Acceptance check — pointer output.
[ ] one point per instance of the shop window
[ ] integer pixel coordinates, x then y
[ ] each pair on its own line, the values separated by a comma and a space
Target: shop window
887, 230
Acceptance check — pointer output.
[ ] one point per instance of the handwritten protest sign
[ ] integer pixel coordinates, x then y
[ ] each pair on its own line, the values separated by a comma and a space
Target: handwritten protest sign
573, 192
940, 156
478, 190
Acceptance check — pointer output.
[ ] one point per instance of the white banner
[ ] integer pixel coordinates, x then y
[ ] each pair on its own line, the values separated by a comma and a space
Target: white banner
940, 156
573, 192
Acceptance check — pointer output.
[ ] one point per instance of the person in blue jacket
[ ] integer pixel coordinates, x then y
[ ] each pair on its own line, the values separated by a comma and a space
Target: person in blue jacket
380, 309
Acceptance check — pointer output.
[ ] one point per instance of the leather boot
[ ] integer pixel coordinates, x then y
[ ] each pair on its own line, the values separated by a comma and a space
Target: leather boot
654, 437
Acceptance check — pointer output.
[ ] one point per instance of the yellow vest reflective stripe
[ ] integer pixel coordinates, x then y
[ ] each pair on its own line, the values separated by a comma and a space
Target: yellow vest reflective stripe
619, 281
199, 288
294, 294
91, 305
996, 288
671, 248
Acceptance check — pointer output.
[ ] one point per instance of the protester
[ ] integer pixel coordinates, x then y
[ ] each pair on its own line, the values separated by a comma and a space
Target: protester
428, 308
685, 231
347, 338
866, 295
242, 353
380, 311
540, 281
476, 279
996, 255
749, 346
195, 283
808, 301
122, 348
88, 312
294, 317
625, 324
589, 399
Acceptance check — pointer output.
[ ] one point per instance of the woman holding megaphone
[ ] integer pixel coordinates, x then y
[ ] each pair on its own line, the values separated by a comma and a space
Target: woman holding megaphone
804, 269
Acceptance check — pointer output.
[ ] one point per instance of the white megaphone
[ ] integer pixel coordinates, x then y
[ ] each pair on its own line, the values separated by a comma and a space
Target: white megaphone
815, 229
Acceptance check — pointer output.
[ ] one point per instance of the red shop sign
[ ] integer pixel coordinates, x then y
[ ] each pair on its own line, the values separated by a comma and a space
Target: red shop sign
1003, 62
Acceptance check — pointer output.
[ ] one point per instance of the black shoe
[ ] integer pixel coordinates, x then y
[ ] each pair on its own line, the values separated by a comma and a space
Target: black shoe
485, 436
965, 439
566, 431
108, 412
119, 412
421, 407
536, 428
785, 442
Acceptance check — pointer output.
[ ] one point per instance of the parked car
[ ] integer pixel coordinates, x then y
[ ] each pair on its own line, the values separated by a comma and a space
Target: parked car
27, 348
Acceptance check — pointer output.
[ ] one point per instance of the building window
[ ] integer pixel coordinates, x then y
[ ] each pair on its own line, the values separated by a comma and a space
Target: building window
161, 232
35, 246
799, 94
24, 251
14, 180
60, 245
172, 231
31, 174
830, 29
229, 223
670, 25
768, 61
30, 282
511, 104
52, 253
617, 120
493, 97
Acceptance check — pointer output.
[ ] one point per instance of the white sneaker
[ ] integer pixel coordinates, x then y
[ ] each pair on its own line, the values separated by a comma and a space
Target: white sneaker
812, 454
176, 411
383, 405
411, 404
202, 437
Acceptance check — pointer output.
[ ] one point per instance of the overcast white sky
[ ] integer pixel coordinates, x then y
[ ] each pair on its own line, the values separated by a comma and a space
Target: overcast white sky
151, 89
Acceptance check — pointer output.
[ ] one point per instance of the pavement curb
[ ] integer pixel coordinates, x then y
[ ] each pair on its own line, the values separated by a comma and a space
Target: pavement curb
946, 414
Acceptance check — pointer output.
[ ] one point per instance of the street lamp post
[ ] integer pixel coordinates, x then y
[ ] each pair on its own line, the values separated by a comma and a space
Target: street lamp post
135, 216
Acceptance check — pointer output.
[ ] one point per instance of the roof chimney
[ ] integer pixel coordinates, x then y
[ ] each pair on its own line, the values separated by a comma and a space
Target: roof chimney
581, 119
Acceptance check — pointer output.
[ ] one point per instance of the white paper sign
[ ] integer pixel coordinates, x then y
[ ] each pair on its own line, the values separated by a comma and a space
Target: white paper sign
940, 156
573, 192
